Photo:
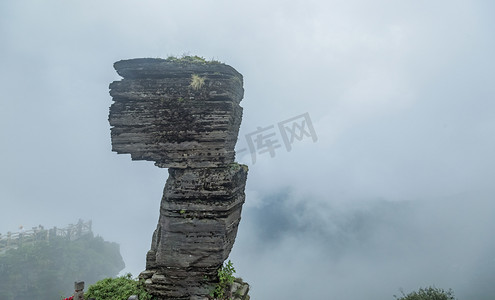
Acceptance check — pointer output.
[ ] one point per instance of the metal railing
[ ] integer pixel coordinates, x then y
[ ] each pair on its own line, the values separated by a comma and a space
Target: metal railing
13, 240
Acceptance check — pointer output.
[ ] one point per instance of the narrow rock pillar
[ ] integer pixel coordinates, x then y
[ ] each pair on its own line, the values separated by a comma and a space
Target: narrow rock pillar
184, 114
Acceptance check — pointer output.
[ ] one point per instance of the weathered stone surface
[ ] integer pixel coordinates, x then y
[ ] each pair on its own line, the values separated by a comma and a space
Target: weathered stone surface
79, 285
78, 290
162, 113
207, 183
199, 217
169, 68
216, 88
185, 115
239, 290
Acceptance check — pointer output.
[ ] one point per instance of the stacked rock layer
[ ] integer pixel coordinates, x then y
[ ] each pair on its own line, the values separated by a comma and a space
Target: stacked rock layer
177, 114
184, 115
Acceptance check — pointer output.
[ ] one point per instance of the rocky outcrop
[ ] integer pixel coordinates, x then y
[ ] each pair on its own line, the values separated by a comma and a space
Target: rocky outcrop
184, 115
177, 114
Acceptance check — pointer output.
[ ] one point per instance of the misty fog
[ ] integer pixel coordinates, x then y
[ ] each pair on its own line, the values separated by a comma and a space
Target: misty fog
396, 192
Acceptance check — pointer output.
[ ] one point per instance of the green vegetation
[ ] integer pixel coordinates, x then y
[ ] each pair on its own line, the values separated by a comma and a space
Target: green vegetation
234, 167
197, 82
226, 278
194, 59
47, 269
429, 293
119, 288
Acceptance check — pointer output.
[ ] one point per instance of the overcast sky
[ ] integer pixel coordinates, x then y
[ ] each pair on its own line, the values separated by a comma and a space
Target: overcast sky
397, 191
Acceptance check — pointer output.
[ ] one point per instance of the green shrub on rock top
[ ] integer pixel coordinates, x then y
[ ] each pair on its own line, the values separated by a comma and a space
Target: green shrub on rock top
191, 59
429, 293
120, 288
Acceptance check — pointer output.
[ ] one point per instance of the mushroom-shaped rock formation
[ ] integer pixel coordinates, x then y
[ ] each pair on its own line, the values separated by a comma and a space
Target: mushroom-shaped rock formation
184, 114
179, 114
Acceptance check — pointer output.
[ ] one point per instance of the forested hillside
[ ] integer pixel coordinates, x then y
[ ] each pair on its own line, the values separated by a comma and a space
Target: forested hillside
47, 269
